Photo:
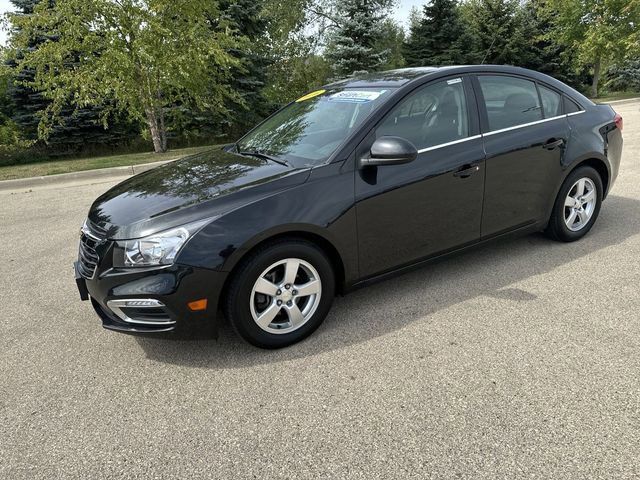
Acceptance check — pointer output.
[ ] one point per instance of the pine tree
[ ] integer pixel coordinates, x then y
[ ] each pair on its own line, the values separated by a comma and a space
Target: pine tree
438, 37
497, 30
360, 27
249, 79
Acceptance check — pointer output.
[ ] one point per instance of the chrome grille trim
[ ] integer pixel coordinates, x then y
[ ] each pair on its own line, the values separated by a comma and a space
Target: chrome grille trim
88, 258
116, 307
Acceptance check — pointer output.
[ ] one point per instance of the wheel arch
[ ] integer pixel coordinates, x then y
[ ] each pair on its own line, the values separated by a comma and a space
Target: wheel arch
600, 166
315, 238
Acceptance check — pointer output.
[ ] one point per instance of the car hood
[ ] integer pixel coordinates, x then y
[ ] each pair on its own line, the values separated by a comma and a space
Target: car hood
201, 186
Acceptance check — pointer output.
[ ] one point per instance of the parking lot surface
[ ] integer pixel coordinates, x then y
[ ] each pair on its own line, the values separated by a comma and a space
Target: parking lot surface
520, 359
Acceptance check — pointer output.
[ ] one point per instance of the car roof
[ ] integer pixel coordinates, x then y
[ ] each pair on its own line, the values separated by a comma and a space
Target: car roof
402, 76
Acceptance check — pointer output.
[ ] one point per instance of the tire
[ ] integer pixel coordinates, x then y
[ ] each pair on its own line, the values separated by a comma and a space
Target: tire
564, 215
264, 278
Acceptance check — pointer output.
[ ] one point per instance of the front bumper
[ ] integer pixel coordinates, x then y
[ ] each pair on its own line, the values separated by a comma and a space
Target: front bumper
161, 295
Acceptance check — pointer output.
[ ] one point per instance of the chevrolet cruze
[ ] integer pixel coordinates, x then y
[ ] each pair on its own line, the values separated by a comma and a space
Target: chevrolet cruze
348, 184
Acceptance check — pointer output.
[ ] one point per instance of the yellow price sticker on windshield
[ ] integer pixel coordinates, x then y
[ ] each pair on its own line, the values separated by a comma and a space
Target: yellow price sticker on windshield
310, 95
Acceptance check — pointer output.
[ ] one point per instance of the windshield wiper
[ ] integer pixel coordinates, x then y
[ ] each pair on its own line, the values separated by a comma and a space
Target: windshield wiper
264, 156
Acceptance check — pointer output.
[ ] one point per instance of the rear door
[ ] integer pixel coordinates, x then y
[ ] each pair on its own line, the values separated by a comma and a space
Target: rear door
525, 133
407, 212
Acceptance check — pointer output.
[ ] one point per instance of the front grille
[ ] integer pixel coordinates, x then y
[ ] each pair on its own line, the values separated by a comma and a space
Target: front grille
87, 256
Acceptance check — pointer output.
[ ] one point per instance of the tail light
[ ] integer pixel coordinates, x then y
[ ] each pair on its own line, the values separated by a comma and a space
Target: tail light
618, 120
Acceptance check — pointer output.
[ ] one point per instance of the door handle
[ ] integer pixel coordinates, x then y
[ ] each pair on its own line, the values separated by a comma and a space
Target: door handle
466, 171
553, 144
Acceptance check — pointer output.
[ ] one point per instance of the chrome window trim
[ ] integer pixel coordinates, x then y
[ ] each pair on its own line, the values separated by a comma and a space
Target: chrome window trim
575, 113
493, 132
441, 145
116, 305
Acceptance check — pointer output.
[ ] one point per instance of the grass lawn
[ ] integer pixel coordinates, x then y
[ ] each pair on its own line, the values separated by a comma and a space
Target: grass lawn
612, 96
76, 165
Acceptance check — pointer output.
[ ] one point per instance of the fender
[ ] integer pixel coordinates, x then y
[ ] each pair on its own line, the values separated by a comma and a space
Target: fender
224, 242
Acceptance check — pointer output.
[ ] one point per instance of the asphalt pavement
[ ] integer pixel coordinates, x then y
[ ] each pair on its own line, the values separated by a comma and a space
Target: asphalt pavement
520, 359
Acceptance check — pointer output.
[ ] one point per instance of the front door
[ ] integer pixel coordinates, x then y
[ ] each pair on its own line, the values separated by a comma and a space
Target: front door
433, 204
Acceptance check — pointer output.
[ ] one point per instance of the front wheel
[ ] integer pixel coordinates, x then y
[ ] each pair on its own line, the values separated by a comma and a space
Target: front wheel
577, 205
280, 293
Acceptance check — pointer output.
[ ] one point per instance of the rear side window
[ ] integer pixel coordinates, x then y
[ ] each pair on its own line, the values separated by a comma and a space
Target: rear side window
431, 116
551, 102
570, 106
510, 101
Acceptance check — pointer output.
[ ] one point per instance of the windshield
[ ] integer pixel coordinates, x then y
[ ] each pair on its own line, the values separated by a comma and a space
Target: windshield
309, 130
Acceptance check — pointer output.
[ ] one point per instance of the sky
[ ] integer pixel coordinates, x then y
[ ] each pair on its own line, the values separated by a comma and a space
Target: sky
401, 12
5, 6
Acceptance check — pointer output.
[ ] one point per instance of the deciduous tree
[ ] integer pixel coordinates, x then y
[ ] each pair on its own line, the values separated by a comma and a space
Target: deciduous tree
600, 31
146, 55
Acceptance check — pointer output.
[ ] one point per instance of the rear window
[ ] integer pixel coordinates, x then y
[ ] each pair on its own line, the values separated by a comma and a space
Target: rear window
510, 101
551, 102
570, 106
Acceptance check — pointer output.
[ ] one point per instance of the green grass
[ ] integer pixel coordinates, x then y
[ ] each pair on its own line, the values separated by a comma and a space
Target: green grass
612, 96
77, 165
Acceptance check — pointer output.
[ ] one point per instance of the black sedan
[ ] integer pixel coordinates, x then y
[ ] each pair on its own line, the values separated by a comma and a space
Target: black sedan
353, 182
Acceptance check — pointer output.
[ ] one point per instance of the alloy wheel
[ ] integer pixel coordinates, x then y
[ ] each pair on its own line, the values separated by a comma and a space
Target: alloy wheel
285, 296
580, 204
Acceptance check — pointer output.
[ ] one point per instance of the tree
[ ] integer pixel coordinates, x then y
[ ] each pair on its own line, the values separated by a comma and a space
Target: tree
146, 55
545, 54
438, 36
77, 129
249, 77
359, 26
296, 31
624, 76
600, 31
391, 41
498, 31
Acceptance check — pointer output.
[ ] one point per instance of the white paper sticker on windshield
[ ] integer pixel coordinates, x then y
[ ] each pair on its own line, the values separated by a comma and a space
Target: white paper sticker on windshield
357, 96
454, 80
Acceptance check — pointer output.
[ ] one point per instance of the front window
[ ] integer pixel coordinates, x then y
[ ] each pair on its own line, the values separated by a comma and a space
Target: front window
432, 116
308, 131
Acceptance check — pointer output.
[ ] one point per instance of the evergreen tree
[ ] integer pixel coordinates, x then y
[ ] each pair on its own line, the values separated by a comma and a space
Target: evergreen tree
438, 36
545, 54
498, 32
359, 28
392, 42
78, 129
249, 77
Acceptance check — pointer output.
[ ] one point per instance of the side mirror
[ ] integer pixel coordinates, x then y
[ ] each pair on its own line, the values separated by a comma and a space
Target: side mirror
390, 151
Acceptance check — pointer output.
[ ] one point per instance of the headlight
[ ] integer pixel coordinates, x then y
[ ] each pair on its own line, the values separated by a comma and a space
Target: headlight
159, 248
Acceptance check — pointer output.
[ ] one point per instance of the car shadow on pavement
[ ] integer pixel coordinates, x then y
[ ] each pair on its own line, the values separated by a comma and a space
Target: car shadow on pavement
387, 306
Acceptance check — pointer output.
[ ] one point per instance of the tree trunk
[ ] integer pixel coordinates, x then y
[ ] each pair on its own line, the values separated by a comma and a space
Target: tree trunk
596, 78
156, 128
163, 130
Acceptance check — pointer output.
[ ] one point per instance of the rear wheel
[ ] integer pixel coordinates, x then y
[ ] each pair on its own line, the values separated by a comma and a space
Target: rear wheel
577, 206
280, 293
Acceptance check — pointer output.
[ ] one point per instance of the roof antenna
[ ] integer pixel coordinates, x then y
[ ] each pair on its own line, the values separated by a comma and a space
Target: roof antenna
489, 49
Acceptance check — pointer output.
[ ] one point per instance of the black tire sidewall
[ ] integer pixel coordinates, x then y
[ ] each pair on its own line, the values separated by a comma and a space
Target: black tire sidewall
559, 226
240, 292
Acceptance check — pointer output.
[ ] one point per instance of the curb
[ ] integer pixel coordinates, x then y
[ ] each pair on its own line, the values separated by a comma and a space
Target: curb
96, 174
622, 102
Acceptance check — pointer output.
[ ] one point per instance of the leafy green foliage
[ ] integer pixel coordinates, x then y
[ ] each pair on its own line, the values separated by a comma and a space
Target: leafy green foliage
77, 129
600, 31
145, 54
101, 72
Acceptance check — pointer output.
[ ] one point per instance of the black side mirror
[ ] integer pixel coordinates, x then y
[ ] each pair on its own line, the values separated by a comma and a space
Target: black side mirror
390, 151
